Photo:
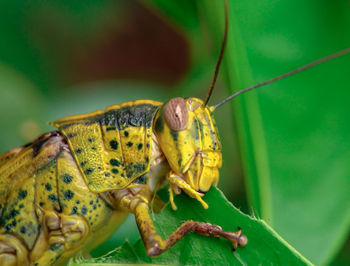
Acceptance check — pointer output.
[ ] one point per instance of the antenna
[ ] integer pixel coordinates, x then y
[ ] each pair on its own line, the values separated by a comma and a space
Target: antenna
223, 46
312, 64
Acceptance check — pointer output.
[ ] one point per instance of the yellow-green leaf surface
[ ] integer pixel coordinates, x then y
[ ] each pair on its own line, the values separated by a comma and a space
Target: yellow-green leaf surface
264, 246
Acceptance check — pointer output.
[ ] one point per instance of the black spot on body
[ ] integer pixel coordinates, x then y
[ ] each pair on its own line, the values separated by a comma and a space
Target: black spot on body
68, 194
91, 202
126, 133
52, 197
139, 147
23, 230
22, 194
82, 164
13, 213
83, 210
20, 206
41, 203
77, 201
67, 178
107, 174
129, 144
174, 134
48, 187
114, 144
91, 139
78, 151
114, 162
115, 171
111, 128
88, 171
74, 210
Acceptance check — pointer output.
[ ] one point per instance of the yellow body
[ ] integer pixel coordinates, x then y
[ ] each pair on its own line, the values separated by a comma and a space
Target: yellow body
57, 192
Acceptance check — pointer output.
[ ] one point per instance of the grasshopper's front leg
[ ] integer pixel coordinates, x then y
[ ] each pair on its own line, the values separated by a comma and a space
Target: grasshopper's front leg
177, 184
153, 242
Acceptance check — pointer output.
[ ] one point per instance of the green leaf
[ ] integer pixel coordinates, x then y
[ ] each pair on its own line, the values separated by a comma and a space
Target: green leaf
264, 246
293, 134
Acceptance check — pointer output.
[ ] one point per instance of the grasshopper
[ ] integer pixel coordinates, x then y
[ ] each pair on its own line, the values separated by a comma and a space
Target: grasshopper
60, 191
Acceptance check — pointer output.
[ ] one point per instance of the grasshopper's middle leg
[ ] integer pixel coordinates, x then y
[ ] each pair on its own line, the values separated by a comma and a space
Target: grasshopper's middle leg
153, 242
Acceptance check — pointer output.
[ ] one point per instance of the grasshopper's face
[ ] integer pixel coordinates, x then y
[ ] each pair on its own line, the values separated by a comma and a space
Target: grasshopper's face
188, 137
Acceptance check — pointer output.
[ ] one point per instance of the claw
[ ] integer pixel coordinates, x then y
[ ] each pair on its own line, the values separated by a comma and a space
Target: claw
173, 205
204, 204
237, 239
241, 240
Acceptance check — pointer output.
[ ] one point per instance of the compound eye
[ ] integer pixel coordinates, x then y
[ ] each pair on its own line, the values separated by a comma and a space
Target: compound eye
176, 114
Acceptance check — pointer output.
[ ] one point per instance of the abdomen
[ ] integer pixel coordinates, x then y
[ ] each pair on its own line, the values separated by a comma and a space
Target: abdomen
43, 178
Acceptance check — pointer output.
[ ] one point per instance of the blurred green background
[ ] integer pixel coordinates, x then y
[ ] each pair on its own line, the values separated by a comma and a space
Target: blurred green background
286, 147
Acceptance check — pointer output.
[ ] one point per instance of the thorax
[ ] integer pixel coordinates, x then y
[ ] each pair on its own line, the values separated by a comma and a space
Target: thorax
145, 186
